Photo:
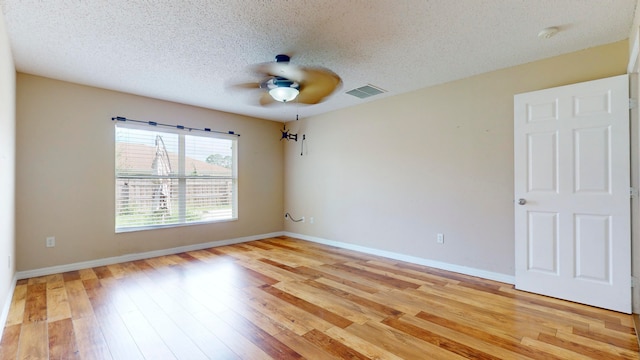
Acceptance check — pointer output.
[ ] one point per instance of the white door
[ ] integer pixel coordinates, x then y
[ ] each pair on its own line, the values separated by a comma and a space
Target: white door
572, 204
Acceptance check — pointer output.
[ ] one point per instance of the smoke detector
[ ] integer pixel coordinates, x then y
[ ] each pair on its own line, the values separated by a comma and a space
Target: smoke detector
548, 32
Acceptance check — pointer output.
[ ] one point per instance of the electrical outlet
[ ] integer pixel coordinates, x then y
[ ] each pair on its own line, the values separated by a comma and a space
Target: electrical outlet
440, 238
302, 220
51, 241
311, 220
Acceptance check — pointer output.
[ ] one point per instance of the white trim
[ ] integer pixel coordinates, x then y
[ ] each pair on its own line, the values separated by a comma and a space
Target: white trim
138, 256
509, 279
7, 305
633, 56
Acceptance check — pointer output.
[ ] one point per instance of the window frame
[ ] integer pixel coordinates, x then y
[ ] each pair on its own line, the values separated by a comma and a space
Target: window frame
181, 176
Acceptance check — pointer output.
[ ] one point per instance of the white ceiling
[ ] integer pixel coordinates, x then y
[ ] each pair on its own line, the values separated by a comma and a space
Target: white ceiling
190, 51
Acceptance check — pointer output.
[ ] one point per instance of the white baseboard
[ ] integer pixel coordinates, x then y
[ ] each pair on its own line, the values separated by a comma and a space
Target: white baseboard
138, 256
7, 305
509, 279
367, 250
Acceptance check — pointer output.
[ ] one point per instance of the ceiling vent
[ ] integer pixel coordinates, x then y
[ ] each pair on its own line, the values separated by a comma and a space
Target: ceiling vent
366, 91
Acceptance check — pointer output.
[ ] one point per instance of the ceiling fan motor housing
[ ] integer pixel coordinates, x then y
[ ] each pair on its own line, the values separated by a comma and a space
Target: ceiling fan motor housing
284, 82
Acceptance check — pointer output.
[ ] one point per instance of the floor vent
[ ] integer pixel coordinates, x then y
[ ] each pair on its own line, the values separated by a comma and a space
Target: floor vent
366, 91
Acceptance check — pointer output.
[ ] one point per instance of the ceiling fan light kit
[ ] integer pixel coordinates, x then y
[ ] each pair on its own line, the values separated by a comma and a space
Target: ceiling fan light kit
283, 93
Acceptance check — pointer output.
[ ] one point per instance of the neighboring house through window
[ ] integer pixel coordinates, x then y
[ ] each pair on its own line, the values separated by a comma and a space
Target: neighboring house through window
173, 177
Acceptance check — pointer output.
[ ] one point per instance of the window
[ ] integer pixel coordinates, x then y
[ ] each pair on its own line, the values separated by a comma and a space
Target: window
168, 178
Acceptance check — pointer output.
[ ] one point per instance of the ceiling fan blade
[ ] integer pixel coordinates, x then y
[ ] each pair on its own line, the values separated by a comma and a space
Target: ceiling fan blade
249, 85
281, 69
266, 99
317, 85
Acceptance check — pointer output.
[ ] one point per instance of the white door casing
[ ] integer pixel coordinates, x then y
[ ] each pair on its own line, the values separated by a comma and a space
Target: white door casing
572, 233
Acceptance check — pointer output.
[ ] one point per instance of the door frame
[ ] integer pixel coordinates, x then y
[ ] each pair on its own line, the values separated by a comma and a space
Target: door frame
634, 130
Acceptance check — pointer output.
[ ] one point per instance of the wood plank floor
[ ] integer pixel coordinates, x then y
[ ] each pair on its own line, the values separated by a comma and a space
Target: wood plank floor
283, 298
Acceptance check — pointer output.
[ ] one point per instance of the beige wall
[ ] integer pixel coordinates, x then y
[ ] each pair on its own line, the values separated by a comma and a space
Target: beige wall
391, 174
65, 174
7, 166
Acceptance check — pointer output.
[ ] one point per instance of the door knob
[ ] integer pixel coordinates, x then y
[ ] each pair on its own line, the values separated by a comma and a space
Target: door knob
522, 201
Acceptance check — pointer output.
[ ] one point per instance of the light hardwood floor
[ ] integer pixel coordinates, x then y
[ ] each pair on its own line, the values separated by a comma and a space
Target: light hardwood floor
283, 298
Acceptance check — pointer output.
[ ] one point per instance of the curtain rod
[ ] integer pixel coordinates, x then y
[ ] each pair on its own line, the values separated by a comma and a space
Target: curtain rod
181, 127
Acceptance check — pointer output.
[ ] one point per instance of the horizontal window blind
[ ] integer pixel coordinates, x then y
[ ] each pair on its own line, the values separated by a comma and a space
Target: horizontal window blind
169, 178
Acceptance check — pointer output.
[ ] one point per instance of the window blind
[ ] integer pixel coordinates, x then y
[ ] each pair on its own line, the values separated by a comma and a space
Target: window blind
169, 178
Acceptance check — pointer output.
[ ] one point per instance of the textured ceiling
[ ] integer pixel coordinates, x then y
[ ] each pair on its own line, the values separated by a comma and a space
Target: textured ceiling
191, 51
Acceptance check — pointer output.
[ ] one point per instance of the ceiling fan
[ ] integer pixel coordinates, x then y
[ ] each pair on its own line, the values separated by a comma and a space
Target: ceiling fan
285, 82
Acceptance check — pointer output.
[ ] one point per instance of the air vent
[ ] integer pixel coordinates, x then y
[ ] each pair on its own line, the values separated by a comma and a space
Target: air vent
366, 91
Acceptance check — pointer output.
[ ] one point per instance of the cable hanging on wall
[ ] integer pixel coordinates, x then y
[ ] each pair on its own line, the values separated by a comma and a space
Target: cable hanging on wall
181, 127
287, 215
